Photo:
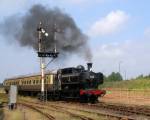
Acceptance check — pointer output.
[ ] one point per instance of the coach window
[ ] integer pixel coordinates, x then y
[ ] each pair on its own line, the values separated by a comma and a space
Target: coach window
33, 81
36, 81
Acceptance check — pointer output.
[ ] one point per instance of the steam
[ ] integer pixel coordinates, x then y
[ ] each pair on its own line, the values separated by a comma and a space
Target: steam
70, 41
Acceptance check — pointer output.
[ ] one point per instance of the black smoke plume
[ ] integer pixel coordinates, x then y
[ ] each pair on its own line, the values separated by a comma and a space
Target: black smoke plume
69, 41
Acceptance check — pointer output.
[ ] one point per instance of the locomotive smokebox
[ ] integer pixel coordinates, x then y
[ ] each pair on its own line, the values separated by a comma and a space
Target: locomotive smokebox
89, 66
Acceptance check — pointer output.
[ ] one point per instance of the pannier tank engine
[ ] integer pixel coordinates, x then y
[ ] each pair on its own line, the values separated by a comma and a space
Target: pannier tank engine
81, 83
73, 83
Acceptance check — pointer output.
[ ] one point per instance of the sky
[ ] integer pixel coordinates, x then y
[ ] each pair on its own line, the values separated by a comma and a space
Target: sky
118, 31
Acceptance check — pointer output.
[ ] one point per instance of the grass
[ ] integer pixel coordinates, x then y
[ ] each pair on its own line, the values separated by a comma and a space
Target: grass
21, 113
129, 84
2, 90
3, 98
13, 115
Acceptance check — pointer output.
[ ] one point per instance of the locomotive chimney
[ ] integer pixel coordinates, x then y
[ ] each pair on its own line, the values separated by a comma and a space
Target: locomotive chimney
89, 66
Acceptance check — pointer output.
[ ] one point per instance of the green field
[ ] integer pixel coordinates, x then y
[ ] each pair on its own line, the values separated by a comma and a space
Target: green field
143, 83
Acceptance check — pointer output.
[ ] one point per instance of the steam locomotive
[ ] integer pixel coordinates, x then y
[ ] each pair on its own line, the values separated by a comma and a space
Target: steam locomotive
73, 83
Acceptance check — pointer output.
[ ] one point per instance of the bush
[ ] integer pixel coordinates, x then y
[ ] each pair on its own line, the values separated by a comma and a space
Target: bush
114, 77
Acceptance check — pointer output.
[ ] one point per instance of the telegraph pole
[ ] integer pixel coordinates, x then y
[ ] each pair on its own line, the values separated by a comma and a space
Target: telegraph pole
119, 66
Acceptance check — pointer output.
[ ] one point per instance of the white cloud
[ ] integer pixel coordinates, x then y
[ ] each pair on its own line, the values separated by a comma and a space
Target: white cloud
109, 24
134, 55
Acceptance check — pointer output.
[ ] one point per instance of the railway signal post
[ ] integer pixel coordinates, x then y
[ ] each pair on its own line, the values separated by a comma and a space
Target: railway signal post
43, 54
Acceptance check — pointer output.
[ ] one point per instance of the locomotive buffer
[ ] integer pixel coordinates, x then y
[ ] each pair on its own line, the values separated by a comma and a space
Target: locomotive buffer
43, 54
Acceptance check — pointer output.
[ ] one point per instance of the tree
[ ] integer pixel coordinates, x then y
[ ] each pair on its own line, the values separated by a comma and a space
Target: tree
114, 77
140, 76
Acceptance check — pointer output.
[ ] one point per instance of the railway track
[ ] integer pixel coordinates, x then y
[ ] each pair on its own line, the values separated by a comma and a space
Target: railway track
120, 112
106, 114
39, 107
126, 109
82, 117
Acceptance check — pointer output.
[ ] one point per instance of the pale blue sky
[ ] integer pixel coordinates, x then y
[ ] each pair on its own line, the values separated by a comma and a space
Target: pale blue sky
118, 30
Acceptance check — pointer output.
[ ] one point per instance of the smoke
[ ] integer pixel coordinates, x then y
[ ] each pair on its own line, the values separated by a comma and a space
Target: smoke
69, 41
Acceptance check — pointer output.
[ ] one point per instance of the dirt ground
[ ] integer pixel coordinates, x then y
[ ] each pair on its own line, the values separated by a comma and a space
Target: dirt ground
125, 96
21, 113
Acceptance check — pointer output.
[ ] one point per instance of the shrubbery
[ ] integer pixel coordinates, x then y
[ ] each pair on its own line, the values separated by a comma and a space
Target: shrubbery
114, 77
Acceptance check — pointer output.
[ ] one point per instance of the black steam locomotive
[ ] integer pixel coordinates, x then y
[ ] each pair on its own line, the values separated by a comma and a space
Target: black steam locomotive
74, 83
80, 83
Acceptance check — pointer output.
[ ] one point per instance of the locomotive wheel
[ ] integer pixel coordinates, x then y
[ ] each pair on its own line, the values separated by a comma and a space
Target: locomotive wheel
84, 99
92, 99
